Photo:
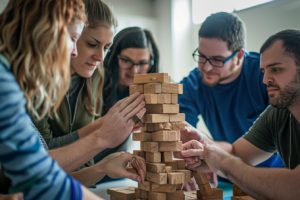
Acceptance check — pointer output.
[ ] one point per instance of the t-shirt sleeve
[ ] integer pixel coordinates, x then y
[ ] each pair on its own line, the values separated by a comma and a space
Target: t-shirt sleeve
260, 134
187, 99
25, 161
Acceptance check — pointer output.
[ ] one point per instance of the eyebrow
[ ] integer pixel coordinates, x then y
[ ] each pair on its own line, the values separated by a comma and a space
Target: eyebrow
271, 65
124, 56
100, 42
212, 56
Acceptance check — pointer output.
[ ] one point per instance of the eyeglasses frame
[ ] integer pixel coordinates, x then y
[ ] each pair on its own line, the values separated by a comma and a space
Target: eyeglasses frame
151, 63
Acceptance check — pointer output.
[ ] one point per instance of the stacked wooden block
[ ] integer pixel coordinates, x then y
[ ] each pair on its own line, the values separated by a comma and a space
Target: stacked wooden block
238, 194
205, 191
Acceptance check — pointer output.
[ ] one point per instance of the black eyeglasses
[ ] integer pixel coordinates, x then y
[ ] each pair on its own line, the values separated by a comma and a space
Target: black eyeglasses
214, 62
128, 64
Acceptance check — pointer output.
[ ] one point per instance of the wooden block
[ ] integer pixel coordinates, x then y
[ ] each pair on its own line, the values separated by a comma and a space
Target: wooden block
200, 178
171, 88
176, 178
165, 136
157, 196
180, 117
163, 188
172, 164
131, 170
242, 198
160, 178
174, 98
178, 195
144, 194
144, 128
169, 146
162, 108
136, 88
190, 195
164, 98
237, 191
179, 186
122, 193
156, 167
180, 163
141, 136
150, 98
156, 118
145, 186
205, 189
139, 153
154, 157
137, 193
150, 127
169, 79
151, 78
149, 146
167, 157
187, 174
216, 193
152, 88
168, 169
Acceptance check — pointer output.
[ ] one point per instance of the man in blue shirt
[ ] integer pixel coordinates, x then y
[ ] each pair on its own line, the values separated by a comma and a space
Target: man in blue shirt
227, 88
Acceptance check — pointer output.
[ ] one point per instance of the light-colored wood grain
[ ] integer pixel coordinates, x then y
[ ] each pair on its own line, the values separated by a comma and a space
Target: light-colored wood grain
174, 98
149, 146
176, 178
159, 178
180, 117
152, 88
187, 174
144, 194
151, 78
166, 126
156, 167
169, 146
168, 169
137, 193
145, 186
150, 98
139, 153
205, 189
164, 98
157, 196
200, 178
136, 88
237, 191
191, 195
141, 136
167, 157
156, 118
165, 136
154, 157
122, 193
171, 88
163, 188
216, 193
162, 108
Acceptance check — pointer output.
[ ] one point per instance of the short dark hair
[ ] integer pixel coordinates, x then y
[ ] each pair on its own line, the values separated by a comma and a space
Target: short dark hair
225, 26
291, 43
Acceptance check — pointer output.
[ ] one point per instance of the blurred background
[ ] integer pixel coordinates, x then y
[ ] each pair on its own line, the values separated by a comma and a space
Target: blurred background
175, 23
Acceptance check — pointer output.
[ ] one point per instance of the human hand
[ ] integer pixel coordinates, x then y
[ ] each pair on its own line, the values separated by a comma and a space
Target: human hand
213, 177
136, 127
17, 196
190, 185
116, 167
118, 123
110, 156
190, 133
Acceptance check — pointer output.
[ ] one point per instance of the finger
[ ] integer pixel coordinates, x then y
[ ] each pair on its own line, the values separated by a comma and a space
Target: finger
192, 152
215, 179
120, 102
186, 186
127, 101
130, 104
133, 109
140, 114
132, 176
139, 164
193, 144
193, 184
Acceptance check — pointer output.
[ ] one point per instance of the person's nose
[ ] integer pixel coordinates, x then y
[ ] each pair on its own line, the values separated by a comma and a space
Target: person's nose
74, 52
267, 78
207, 66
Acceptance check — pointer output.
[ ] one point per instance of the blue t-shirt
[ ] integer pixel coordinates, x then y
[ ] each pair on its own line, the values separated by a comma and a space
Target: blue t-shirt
229, 110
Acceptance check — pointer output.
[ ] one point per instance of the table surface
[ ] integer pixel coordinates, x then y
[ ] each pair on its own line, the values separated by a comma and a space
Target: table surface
101, 189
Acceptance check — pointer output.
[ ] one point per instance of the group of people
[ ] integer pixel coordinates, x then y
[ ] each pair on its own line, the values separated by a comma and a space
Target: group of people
66, 113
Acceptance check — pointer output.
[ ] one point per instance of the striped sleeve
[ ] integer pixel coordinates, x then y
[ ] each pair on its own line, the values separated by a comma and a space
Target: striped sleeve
25, 161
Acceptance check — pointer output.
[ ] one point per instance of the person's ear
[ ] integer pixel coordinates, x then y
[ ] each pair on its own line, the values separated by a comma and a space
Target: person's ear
240, 56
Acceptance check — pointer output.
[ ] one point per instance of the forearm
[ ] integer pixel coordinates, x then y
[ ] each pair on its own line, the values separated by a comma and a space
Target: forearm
63, 140
90, 128
262, 183
88, 176
87, 194
76, 154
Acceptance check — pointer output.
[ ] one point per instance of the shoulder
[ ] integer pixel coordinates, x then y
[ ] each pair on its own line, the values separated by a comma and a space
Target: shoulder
193, 78
252, 61
273, 115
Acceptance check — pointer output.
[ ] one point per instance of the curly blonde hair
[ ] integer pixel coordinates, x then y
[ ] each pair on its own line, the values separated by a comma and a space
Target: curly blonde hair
34, 39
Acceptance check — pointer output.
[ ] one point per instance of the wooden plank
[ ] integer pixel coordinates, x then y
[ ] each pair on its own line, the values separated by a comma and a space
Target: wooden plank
190, 195
165, 136
139, 153
180, 117
154, 157
205, 189
144, 194
162, 108
237, 191
216, 193
166, 126
136, 88
168, 169
169, 79
180, 163
150, 98
157, 196
145, 186
178, 195
200, 178
170, 146
174, 98
172, 164
122, 193
164, 98
176, 178
173, 88
156, 118
151, 78
149, 146
144, 128
137, 193
131, 170
187, 174
167, 157
156, 167
159, 178
242, 198
152, 88
141, 136
163, 188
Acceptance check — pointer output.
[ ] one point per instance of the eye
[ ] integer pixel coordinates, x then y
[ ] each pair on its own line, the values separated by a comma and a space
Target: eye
275, 70
92, 45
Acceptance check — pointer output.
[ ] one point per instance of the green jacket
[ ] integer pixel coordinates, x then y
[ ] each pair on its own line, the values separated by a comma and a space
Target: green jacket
56, 127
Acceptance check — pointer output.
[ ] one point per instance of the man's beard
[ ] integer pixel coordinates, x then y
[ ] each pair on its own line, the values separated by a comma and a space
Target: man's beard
288, 96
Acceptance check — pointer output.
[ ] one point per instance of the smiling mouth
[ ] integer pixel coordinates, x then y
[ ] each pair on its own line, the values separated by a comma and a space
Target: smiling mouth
91, 65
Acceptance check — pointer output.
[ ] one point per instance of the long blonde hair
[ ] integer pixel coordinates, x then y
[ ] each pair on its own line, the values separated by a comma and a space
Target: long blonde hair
34, 39
99, 14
